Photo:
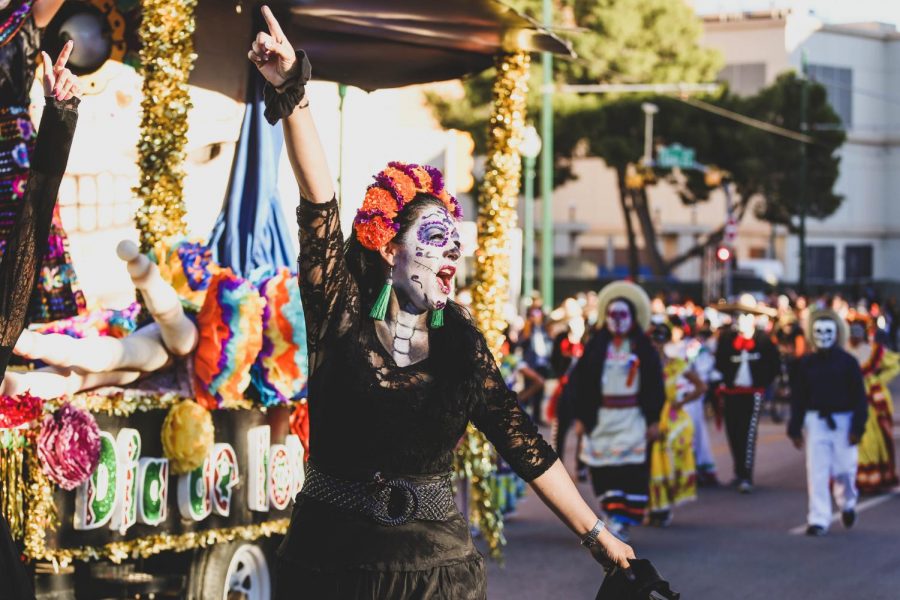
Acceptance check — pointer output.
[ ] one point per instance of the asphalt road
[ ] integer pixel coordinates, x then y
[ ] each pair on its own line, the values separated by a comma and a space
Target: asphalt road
722, 546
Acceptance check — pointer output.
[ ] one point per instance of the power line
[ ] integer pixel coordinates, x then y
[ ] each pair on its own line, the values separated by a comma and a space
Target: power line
749, 121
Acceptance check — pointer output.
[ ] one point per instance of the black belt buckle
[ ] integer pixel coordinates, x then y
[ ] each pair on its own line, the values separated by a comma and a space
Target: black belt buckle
380, 511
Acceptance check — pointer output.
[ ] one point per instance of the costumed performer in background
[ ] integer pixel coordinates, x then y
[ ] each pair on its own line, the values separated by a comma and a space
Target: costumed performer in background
877, 464
397, 371
26, 244
829, 405
56, 294
748, 362
618, 387
673, 472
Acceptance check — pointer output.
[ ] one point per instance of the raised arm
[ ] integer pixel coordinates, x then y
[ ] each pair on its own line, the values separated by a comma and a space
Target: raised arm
27, 244
287, 74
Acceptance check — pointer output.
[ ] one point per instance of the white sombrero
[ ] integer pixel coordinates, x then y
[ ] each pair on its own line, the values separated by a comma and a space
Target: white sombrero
631, 292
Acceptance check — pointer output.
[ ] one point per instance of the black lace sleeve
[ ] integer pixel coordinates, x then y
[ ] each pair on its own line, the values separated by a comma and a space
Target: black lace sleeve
497, 414
27, 244
330, 296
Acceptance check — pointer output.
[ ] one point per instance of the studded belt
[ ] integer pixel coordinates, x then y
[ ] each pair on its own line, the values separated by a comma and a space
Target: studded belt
387, 501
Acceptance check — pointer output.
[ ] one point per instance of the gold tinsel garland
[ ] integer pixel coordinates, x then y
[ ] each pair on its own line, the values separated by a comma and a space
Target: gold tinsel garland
143, 547
167, 56
496, 219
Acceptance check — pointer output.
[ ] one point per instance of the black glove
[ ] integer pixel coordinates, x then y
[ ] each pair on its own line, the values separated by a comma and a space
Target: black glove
639, 582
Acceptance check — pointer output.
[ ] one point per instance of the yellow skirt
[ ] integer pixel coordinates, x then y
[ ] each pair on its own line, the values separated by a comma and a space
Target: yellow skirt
673, 471
877, 466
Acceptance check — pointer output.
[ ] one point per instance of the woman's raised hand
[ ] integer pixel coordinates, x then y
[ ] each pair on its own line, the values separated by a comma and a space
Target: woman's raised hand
59, 81
272, 53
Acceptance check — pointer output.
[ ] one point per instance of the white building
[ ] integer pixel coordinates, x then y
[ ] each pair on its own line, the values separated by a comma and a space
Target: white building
859, 65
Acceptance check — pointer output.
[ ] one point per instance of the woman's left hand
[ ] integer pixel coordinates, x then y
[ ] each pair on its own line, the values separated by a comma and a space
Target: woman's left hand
611, 551
59, 81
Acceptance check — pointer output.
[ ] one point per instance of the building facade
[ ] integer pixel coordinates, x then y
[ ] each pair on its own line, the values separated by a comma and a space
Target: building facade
859, 65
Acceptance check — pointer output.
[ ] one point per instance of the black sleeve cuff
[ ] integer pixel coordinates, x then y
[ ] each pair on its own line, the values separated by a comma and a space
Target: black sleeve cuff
280, 104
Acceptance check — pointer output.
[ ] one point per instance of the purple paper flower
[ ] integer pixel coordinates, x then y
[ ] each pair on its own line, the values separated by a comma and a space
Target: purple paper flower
69, 446
437, 179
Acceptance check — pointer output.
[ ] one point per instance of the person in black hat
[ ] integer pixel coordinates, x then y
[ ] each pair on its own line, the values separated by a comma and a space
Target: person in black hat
748, 362
829, 404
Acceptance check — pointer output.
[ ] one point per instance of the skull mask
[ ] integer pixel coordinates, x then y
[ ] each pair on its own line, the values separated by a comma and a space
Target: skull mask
619, 318
825, 333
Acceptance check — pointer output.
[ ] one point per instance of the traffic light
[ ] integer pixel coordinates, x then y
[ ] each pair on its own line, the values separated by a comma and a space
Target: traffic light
723, 253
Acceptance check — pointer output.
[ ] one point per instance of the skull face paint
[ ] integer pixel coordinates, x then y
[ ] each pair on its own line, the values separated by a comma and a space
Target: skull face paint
425, 264
825, 333
619, 318
747, 325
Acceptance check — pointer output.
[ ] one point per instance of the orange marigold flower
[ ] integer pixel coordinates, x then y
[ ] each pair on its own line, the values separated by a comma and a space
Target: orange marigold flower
424, 179
375, 233
403, 183
379, 199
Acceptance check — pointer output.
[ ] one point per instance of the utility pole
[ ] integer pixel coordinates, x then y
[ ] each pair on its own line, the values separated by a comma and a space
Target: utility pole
531, 147
729, 238
804, 128
547, 168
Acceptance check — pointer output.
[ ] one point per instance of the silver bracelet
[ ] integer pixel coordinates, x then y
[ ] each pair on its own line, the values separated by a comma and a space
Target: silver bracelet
589, 540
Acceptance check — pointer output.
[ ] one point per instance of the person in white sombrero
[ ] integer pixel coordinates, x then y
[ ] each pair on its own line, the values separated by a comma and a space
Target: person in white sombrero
618, 387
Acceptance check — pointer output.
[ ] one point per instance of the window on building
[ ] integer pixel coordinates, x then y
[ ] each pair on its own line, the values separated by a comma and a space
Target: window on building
858, 262
758, 252
820, 263
838, 83
744, 79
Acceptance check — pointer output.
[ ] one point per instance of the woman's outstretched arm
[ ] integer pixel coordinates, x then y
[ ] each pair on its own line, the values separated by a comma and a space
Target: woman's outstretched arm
277, 61
558, 492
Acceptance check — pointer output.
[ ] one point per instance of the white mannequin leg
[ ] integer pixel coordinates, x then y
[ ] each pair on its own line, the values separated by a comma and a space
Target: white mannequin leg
141, 351
53, 382
178, 333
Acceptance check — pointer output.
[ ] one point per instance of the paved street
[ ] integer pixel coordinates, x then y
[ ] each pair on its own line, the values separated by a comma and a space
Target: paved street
722, 546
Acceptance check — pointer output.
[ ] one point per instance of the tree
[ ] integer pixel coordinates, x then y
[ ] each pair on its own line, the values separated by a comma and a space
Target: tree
760, 164
622, 41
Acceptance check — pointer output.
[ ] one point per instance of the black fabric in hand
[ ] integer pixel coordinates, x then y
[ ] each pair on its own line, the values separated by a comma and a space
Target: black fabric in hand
640, 582
280, 103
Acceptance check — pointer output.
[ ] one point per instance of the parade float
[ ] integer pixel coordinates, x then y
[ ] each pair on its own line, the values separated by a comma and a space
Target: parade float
155, 451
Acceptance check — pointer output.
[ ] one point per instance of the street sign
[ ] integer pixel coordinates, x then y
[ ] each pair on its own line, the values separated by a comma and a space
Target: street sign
675, 155
730, 233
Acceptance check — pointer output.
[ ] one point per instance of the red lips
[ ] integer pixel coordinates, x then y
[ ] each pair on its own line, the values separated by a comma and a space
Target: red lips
445, 278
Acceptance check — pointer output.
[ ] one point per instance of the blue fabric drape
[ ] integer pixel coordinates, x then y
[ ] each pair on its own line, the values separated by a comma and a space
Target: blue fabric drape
251, 233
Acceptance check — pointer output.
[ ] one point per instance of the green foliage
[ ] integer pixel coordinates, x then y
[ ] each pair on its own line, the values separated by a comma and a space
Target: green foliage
646, 41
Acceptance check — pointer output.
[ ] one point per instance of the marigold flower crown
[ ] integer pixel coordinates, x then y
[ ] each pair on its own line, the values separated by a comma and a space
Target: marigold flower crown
394, 188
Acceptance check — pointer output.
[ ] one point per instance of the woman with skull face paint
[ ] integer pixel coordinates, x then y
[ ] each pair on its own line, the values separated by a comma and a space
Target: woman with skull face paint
877, 465
829, 405
618, 390
397, 371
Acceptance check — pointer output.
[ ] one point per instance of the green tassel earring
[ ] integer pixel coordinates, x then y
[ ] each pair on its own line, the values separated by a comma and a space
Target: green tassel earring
379, 309
437, 319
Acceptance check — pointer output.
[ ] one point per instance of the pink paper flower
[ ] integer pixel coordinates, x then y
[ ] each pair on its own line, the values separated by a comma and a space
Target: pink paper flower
69, 446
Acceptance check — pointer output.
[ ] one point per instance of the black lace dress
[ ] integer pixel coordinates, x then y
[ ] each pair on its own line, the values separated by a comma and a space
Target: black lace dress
368, 414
